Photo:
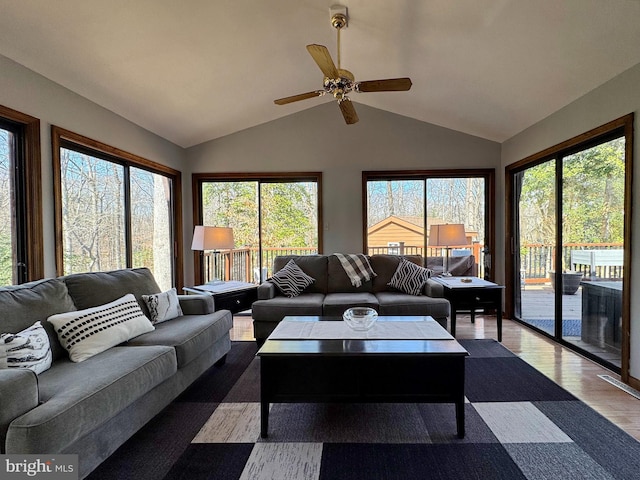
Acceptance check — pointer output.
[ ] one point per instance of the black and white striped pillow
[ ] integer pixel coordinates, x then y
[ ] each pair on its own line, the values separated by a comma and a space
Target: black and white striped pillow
85, 333
29, 348
409, 277
291, 280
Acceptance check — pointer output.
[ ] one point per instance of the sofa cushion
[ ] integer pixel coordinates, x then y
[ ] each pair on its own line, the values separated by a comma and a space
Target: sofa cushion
190, 335
163, 306
385, 266
291, 280
313, 265
77, 398
18, 395
23, 305
410, 278
277, 308
97, 288
29, 348
339, 281
85, 333
335, 304
395, 303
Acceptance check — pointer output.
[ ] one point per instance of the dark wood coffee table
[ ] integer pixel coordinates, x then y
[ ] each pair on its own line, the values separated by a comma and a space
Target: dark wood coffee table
361, 371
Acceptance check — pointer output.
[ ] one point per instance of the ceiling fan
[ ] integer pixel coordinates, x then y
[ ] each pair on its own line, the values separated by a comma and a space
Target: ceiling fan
339, 82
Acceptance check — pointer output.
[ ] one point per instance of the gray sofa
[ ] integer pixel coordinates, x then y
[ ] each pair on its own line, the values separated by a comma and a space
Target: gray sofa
92, 407
332, 293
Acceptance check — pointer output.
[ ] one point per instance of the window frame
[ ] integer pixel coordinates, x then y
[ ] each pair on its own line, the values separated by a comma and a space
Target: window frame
62, 138
488, 174
30, 163
197, 180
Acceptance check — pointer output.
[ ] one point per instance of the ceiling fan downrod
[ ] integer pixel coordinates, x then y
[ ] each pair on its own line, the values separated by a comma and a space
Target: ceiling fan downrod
338, 21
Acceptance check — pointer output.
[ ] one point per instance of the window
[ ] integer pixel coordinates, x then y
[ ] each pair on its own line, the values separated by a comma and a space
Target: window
21, 250
566, 222
401, 207
271, 215
114, 210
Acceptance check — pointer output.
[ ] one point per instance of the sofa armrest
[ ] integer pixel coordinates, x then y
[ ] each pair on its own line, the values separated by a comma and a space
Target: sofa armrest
433, 289
196, 304
18, 395
266, 290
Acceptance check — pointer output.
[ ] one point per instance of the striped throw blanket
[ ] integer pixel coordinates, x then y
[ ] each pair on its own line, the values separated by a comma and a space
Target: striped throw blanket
357, 267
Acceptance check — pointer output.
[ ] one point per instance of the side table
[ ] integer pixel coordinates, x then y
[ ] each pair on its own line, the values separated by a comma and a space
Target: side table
233, 295
471, 296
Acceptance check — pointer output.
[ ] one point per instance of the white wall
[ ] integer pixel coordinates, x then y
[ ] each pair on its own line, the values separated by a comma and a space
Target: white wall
23, 90
317, 139
612, 100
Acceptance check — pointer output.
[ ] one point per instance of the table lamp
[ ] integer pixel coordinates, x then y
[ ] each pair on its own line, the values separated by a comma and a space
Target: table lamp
445, 236
207, 238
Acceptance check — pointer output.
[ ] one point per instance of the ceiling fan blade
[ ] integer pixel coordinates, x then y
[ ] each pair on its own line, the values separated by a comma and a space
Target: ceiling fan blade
348, 111
322, 57
301, 96
388, 85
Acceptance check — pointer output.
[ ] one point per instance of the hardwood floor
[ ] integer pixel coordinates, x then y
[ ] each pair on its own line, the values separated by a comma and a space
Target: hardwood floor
573, 372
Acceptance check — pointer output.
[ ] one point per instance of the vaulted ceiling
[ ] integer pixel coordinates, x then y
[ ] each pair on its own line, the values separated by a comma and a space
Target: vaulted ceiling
195, 70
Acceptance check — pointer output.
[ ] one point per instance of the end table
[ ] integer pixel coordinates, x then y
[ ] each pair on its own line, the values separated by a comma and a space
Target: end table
477, 293
233, 295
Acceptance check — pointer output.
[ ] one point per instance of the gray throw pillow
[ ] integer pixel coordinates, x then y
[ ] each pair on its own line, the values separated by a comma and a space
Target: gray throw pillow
409, 277
291, 280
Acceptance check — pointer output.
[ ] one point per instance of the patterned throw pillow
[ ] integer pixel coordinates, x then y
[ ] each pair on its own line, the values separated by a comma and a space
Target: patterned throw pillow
163, 306
409, 277
85, 333
28, 349
291, 280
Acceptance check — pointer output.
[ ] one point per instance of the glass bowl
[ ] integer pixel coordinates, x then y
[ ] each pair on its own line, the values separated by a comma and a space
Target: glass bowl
360, 318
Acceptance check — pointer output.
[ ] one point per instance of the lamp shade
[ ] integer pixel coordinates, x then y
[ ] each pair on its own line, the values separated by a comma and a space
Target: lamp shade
212, 238
447, 235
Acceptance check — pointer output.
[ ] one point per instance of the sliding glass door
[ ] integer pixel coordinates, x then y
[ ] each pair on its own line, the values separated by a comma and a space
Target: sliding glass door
401, 209
568, 243
270, 215
114, 210
593, 190
536, 234
10, 241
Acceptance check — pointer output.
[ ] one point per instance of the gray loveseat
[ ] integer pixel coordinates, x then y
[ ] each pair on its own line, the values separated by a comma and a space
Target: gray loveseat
332, 293
92, 407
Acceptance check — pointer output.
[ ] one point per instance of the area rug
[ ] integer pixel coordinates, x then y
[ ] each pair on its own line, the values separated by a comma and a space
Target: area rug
520, 425
570, 328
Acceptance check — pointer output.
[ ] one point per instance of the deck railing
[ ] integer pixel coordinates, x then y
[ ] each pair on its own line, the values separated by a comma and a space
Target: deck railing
242, 264
536, 260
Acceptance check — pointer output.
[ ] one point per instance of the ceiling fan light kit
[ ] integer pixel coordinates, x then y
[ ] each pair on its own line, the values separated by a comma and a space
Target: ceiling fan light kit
340, 82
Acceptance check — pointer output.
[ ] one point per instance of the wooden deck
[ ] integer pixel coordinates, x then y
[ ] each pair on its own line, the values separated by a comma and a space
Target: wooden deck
538, 303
